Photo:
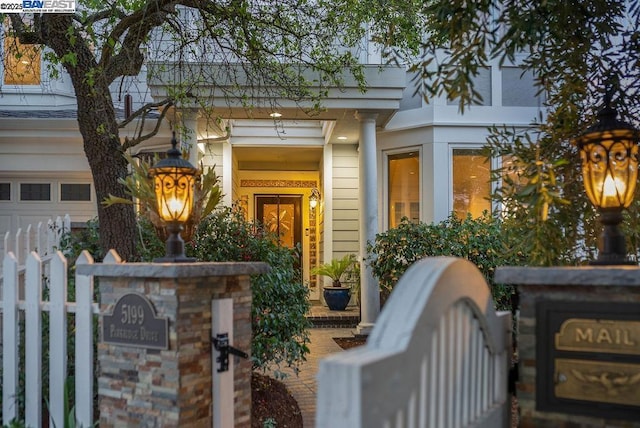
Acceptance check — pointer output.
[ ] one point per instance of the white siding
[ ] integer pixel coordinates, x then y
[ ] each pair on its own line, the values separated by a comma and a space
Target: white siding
345, 200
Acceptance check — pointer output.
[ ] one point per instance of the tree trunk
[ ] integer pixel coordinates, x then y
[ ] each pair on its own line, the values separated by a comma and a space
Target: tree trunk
103, 151
99, 128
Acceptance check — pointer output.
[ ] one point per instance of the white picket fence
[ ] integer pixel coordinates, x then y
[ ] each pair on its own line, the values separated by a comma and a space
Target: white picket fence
44, 239
438, 357
26, 274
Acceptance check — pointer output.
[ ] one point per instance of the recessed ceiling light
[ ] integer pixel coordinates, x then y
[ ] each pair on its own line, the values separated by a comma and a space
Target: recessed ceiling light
342, 137
275, 114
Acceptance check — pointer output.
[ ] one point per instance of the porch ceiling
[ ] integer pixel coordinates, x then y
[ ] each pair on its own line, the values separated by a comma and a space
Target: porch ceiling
278, 158
384, 88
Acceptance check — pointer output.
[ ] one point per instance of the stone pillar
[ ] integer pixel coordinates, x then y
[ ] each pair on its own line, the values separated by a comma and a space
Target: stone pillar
142, 386
578, 341
369, 291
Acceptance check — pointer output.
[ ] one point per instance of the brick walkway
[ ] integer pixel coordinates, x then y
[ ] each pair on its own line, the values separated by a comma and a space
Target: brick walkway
303, 387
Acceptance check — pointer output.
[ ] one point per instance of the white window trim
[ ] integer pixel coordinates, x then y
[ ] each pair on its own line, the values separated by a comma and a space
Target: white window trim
385, 181
494, 164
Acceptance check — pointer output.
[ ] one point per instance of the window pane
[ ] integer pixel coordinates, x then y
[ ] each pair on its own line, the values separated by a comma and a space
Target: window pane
5, 191
22, 63
512, 172
35, 192
75, 192
481, 84
471, 182
279, 219
404, 187
518, 89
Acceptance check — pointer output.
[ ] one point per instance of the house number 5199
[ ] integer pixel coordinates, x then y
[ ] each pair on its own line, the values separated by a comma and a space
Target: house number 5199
132, 314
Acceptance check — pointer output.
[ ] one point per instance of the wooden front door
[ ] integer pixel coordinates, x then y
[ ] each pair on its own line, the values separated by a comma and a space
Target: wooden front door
282, 215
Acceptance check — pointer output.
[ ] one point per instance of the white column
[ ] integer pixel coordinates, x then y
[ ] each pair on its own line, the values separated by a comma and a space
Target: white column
227, 173
189, 135
369, 291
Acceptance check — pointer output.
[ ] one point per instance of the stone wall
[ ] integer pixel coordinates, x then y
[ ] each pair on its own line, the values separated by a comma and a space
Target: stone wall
138, 386
606, 287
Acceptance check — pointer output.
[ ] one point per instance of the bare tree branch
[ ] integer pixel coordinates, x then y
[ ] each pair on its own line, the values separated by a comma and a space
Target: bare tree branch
128, 143
145, 109
136, 29
99, 16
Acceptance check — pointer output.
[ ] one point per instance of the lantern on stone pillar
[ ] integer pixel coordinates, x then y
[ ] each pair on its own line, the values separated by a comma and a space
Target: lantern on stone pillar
174, 179
609, 153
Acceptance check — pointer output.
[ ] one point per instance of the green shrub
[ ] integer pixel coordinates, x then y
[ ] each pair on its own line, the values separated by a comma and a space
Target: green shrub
88, 238
280, 301
481, 241
148, 245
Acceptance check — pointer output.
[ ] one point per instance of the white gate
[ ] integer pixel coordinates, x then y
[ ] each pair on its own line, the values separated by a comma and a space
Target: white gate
438, 357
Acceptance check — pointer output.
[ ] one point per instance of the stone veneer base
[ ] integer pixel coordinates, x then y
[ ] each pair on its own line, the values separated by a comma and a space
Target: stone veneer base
173, 388
614, 284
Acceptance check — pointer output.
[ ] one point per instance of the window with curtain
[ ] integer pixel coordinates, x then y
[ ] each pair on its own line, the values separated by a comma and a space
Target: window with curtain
471, 182
404, 187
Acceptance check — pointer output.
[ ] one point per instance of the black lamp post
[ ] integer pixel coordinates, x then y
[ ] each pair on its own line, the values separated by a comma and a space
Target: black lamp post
609, 153
174, 179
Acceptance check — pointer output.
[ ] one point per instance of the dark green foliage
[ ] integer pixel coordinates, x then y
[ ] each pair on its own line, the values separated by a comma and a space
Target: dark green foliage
280, 301
149, 245
15, 424
575, 51
481, 241
87, 238
336, 268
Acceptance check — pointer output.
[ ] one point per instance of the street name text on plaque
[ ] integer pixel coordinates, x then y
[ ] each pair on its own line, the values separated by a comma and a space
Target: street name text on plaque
133, 322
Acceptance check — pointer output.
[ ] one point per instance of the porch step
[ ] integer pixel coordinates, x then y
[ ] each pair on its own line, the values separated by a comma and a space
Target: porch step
321, 317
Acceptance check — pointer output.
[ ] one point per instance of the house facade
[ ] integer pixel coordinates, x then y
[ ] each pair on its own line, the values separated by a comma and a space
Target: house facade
368, 158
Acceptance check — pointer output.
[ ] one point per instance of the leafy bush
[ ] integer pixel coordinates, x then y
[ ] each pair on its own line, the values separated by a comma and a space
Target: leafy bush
74, 242
482, 241
149, 245
280, 301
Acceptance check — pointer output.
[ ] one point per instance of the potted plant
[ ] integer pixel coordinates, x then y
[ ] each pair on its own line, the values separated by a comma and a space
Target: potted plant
337, 296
